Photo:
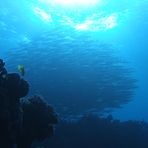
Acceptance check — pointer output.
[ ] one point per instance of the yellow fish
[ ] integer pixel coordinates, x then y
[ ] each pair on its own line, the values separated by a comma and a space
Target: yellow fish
21, 69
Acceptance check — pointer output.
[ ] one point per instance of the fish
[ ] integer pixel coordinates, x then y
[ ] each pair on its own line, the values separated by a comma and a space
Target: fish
21, 69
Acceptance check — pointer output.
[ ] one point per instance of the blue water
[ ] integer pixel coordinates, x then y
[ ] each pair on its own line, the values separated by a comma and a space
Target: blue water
68, 49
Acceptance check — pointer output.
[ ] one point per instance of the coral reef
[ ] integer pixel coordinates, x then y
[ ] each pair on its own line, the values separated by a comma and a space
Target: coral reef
38, 120
97, 132
22, 122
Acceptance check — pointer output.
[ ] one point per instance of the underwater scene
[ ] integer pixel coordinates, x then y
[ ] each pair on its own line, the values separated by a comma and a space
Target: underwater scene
73, 74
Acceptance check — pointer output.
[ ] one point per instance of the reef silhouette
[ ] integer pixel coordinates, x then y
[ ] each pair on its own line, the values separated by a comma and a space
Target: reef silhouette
22, 121
92, 131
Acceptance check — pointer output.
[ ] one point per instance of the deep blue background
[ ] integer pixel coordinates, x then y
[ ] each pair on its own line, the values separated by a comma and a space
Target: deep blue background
20, 24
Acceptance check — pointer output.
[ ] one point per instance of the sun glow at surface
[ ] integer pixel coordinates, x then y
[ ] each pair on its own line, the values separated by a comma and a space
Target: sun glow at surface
99, 20
101, 24
77, 2
72, 2
45, 16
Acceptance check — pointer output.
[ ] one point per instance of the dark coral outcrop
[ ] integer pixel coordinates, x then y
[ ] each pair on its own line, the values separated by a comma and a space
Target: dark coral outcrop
22, 122
38, 120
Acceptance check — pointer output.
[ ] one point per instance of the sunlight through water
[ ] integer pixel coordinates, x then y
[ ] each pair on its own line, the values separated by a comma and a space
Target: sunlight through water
78, 15
72, 2
102, 24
